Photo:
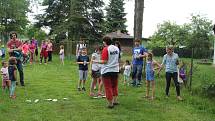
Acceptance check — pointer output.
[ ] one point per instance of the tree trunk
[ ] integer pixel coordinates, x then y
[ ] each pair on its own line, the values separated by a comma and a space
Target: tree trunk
138, 19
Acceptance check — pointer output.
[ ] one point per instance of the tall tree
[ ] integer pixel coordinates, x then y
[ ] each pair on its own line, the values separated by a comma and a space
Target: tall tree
13, 15
138, 18
115, 18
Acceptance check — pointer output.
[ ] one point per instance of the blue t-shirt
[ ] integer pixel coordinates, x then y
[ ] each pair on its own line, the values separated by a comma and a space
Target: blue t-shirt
82, 58
136, 52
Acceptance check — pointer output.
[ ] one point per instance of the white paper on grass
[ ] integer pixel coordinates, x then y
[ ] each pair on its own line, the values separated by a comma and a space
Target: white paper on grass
37, 100
54, 100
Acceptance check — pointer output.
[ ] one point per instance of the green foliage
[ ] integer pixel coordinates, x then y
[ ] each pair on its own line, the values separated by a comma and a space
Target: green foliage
196, 34
115, 18
73, 18
13, 15
37, 33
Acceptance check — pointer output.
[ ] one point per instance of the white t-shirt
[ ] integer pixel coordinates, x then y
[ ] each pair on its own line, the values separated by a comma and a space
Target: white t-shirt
96, 66
112, 64
127, 70
61, 52
4, 71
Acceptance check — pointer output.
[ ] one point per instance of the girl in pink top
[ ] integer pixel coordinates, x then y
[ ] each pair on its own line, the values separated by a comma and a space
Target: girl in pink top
31, 49
25, 49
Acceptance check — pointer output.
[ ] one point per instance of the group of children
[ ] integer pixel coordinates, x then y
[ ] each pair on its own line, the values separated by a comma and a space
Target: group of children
151, 66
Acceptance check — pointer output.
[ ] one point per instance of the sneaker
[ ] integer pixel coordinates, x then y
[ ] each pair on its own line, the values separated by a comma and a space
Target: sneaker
110, 106
79, 89
92, 94
179, 98
83, 88
116, 103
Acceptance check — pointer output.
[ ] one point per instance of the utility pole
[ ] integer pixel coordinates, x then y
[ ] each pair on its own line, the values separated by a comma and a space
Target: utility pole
138, 19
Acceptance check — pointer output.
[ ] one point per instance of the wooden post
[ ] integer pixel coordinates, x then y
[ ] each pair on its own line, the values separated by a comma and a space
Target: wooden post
191, 70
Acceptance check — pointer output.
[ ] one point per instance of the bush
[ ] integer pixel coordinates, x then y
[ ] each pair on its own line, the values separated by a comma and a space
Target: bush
209, 89
185, 52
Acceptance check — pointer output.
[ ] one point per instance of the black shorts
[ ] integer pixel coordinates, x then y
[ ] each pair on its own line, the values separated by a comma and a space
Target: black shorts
36, 51
95, 74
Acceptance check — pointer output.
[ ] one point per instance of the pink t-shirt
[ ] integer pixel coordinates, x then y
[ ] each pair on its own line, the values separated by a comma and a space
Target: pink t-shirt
49, 47
25, 48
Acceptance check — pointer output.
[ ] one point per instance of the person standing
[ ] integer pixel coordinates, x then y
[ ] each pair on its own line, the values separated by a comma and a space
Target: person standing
110, 70
79, 47
36, 48
14, 46
49, 49
170, 61
139, 53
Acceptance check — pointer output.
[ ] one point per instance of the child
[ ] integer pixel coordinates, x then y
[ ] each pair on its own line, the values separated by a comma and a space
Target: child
12, 76
43, 52
150, 69
127, 71
5, 76
83, 61
96, 70
182, 73
3, 52
31, 50
25, 49
61, 53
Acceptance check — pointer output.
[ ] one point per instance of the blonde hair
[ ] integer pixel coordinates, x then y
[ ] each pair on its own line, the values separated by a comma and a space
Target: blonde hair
61, 47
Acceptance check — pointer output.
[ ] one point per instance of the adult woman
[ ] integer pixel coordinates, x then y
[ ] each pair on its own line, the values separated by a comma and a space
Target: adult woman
110, 70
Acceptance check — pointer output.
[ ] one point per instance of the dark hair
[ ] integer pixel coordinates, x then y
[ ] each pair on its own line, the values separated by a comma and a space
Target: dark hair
107, 40
127, 61
12, 60
118, 45
3, 62
137, 40
11, 33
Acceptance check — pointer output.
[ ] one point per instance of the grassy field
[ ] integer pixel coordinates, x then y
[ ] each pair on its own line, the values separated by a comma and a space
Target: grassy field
57, 82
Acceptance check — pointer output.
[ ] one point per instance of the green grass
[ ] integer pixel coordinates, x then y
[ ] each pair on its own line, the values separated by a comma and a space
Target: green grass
57, 81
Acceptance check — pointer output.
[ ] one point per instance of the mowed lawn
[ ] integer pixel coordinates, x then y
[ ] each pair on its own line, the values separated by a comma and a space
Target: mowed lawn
55, 81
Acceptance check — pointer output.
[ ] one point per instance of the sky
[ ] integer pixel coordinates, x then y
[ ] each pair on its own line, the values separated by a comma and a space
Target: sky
157, 11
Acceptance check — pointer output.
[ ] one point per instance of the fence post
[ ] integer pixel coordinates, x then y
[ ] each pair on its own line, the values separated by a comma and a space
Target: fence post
191, 70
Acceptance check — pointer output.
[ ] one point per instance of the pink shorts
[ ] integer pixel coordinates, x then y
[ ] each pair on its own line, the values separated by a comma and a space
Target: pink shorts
4, 82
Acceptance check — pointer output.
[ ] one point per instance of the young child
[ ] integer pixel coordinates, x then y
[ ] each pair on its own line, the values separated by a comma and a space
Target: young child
127, 71
25, 50
3, 52
5, 76
31, 50
12, 76
83, 61
43, 52
61, 53
150, 69
182, 73
95, 70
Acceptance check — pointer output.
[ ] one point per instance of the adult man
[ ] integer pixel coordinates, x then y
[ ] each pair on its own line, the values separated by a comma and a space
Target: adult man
79, 47
171, 60
14, 46
139, 53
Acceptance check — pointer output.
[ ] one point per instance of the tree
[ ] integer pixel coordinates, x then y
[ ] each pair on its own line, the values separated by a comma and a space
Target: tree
138, 18
13, 15
115, 18
32, 31
170, 33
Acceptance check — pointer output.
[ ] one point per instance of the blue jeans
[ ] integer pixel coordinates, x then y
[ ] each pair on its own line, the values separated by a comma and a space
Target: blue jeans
21, 74
137, 74
12, 88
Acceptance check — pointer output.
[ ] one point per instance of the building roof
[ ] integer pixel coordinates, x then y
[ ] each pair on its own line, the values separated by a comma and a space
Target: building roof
119, 34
